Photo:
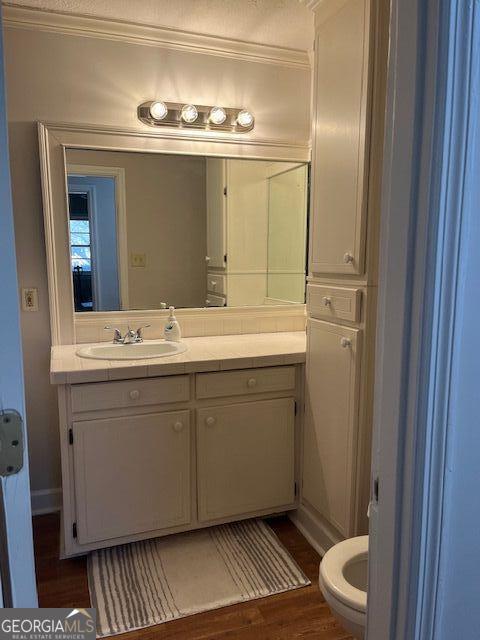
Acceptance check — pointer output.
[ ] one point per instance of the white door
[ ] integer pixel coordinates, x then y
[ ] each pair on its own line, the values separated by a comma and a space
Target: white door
245, 458
16, 555
340, 124
216, 212
331, 421
132, 474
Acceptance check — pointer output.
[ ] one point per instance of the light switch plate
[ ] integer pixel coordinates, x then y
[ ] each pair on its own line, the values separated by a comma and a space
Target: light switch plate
138, 260
30, 299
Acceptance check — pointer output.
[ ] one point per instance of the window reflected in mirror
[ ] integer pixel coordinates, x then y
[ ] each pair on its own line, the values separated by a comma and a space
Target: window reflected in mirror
152, 230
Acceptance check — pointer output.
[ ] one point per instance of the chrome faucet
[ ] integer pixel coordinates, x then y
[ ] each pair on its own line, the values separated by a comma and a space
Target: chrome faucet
131, 337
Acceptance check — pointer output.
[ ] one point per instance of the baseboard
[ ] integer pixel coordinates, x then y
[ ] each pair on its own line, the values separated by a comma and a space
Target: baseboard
316, 530
46, 501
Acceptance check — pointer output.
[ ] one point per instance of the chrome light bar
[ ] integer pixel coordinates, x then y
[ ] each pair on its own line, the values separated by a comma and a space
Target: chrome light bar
157, 113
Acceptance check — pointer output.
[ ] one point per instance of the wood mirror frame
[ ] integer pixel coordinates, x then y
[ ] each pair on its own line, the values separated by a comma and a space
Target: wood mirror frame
56, 138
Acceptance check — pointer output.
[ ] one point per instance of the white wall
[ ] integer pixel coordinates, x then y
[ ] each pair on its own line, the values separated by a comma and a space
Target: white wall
57, 77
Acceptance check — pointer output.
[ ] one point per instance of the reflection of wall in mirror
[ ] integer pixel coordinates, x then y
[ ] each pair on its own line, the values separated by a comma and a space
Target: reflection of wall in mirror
166, 221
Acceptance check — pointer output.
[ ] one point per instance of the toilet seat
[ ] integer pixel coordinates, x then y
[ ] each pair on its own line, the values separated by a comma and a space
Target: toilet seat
332, 572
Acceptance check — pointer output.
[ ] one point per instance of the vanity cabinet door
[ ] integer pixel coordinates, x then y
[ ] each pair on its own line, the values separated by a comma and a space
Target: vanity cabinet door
245, 458
216, 212
331, 421
339, 161
132, 474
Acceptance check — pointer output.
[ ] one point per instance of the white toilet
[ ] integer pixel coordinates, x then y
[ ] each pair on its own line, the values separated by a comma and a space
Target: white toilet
343, 582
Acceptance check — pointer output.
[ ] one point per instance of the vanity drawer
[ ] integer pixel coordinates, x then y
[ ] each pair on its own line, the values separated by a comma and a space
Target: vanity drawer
216, 283
129, 393
245, 382
215, 301
334, 302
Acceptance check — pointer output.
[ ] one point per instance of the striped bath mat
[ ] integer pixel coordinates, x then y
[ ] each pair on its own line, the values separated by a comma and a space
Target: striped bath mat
149, 582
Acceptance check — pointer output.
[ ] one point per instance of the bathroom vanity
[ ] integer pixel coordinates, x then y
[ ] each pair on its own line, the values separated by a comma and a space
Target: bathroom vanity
216, 434
152, 447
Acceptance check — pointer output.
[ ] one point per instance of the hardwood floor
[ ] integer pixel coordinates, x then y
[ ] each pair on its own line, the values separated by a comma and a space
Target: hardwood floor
295, 615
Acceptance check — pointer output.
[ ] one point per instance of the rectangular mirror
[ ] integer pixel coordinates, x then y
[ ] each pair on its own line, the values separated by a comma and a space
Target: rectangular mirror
150, 230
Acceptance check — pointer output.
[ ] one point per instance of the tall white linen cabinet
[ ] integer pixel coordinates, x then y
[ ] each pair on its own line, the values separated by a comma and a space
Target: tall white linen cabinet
349, 99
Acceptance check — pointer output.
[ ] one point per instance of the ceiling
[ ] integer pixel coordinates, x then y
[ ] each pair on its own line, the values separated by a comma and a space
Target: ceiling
286, 23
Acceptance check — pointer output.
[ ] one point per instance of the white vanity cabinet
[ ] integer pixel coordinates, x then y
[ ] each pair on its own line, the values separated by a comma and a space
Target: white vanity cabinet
351, 47
332, 389
132, 474
340, 162
245, 457
145, 457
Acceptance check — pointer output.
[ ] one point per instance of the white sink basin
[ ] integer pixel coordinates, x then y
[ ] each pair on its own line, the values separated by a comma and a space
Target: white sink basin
137, 351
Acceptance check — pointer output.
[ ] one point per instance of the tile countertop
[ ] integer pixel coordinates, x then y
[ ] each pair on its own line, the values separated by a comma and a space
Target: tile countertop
212, 353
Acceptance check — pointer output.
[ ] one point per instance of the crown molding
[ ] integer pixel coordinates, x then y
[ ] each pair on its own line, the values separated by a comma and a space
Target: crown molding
293, 151
108, 29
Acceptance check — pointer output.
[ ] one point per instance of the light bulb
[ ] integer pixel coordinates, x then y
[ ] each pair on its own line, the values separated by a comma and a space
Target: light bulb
245, 118
189, 113
158, 110
217, 115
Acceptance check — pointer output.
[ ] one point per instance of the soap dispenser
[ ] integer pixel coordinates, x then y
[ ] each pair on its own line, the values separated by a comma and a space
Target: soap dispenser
172, 331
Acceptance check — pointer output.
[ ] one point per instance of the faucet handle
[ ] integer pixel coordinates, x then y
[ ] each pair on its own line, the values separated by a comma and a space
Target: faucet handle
117, 336
140, 330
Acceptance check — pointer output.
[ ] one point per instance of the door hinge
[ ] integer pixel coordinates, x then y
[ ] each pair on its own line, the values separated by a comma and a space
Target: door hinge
376, 483
74, 530
295, 489
70, 436
224, 191
225, 258
11, 442
296, 407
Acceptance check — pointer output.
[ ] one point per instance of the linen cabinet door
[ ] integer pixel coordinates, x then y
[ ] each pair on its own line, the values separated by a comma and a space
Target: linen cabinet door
331, 421
339, 162
132, 474
216, 212
245, 458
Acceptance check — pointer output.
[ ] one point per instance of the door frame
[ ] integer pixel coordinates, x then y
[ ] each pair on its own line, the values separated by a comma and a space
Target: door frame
89, 191
425, 164
17, 564
118, 174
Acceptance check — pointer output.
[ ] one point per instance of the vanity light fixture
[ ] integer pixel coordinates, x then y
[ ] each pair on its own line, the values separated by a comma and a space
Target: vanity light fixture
217, 115
189, 113
157, 113
158, 110
245, 119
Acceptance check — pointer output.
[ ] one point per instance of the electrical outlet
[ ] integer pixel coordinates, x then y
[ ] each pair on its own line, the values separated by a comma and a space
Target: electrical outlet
30, 299
138, 260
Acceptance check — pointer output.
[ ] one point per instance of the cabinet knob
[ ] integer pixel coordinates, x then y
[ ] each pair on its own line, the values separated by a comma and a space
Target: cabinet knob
134, 394
347, 258
345, 343
327, 301
178, 426
207, 258
213, 283
251, 382
210, 421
